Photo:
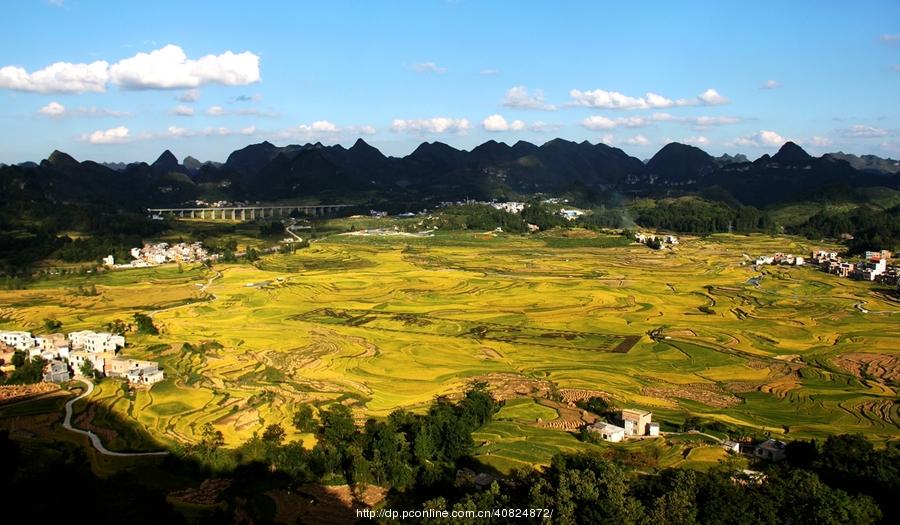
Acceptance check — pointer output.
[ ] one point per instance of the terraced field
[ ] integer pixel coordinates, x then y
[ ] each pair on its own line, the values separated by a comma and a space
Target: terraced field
388, 322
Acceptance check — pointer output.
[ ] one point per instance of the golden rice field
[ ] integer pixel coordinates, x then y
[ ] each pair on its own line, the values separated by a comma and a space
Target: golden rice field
388, 322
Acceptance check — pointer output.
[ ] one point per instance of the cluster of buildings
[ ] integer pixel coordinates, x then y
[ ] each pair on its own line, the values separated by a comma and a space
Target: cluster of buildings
570, 214
161, 253
875, 266
788, 259
635, 423
65, 355
651, 239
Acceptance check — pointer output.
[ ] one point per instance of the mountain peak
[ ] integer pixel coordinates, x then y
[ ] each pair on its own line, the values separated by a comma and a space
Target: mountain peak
166, 160
59, 158
791, 153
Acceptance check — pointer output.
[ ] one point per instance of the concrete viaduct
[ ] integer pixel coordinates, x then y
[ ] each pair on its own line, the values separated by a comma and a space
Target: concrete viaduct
247, 213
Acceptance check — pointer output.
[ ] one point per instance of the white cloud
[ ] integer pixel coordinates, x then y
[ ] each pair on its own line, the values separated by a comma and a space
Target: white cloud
177, 132
249, 130
699, 122
57, 110
760, 139
53, 109
110, 136
770, 84
191, 95
165, 68
820, 142
321, 129
598, 122
603, 99
170, 68
498, 123
57, 3
711, 97
428, 67
219, 111
864, 131
890, 38
431, 125
183, 111
489, 72
541, 127
61, 77
699, 140
638, 140
519, 97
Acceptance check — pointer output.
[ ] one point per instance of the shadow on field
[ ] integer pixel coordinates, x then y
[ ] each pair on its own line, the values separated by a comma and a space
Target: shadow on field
38, 455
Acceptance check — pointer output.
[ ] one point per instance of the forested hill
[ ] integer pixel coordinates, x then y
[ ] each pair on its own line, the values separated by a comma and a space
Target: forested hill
437, 171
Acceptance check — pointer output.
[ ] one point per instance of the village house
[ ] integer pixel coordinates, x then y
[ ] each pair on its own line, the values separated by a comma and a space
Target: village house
608, 431
90, 341
98, 360
16, 339
771, 450
57, 344
636, 422
56, 371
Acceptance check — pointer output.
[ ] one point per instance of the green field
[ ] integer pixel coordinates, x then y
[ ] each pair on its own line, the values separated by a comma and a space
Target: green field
388, 322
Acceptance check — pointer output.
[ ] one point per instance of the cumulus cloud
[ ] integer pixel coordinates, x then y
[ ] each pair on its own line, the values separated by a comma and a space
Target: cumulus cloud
61, 77
170, 68
431, 125
819, 142
57, 110
699, 140
598, 122
699, 122
770, 84
498, 123
603, 99
638, 140
183, 111
864, 131
428, 67
219, 111
489, 72
165, 68
544, 127
760, 139
191, 95
519, 97
711, 97
321, 129
110, 136
53, 109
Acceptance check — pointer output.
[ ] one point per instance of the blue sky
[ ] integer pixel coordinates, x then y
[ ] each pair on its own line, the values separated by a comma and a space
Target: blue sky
122, 81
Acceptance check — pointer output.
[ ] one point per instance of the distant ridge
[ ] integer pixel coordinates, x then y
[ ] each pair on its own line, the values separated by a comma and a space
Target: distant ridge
438, 171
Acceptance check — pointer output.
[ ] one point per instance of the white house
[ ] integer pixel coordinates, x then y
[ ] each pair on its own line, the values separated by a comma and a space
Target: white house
56, 371
17, 339
636, 422
608, 432
653, 429
95, 341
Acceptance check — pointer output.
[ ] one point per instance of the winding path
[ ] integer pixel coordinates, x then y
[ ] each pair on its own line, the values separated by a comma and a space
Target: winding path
95, 440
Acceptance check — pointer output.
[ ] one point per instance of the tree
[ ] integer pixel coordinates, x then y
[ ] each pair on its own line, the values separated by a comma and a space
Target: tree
337, 425
87, 369
273, 434
305, 420
52, 325
145, 324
